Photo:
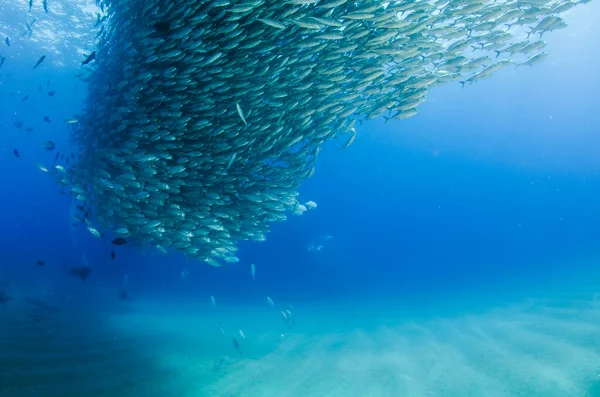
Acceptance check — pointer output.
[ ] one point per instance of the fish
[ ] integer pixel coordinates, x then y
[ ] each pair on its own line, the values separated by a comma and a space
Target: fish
241, 334
119, 241
112, 254
47, 119
40, 263
89, 58
240, 113
4, 298
16, 153
253, 271
49, 145
124, 295
213, 301
163, 155
39, 61
236, 345
7, 41
82, 272
51, 93
270, 302
42, 304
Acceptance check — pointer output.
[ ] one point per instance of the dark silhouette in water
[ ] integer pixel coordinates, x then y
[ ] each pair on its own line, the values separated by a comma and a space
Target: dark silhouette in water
119, 241
4, 297
219, 364
81, 271
42, 305
236, 345
124, 295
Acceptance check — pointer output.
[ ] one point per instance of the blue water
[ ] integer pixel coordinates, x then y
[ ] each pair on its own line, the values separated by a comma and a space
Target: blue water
489, 197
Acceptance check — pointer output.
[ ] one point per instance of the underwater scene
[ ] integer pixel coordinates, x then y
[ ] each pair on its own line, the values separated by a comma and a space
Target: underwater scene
298, 198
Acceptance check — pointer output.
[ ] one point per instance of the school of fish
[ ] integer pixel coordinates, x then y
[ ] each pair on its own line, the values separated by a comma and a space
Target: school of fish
204, 117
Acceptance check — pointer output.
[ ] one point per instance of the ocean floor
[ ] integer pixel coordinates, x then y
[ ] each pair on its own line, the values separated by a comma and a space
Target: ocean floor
538, 348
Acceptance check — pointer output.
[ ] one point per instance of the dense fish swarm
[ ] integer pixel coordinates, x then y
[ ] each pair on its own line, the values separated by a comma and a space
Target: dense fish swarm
204, 117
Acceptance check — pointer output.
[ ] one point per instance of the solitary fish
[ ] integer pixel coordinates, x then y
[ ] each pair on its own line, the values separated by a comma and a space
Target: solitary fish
82, 272
16, 153
270, 301
213, 301
242, 334
40, 263
119, 241
236, 345
38, 63
112, 254
253, 271
89, 58
7, 41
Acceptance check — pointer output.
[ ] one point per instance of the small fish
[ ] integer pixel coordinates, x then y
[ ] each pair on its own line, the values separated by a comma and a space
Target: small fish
56, 157
41, 167
49, 145
221, 329
45, 5
231, 160
2, 59
89, 58
16, 153
311, 205
219, 364
7, 41
242, 334
236, 345
241, 113
124, 295
270, 301
213, 301
119, 241
112, 254
71, 121
26, 97
39, 62
253, 271
30, 5
40, 263
46, 119
82, 272
4, 298
51, 93
94, 231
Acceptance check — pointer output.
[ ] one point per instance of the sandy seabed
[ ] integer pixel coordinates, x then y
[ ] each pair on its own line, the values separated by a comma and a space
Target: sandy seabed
543, 348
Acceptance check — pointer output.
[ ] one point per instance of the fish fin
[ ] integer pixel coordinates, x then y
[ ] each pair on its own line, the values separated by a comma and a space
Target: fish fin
497, 53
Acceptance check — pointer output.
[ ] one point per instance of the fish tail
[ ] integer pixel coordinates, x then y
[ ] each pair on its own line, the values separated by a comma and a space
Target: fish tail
497, 53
